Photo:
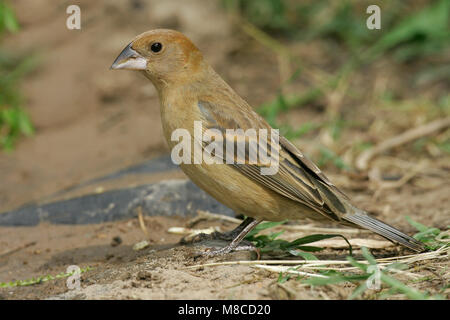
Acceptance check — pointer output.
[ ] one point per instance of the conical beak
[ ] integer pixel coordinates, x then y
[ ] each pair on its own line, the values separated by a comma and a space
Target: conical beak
129, 59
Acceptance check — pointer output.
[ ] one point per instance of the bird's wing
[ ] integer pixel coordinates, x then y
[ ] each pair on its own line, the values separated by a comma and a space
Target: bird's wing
297, 178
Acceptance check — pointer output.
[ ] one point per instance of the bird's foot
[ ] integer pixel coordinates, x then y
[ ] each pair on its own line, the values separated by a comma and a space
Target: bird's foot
212, 252
225, 236
236, 237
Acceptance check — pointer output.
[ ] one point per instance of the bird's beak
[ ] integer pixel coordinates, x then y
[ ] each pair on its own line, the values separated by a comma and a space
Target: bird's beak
129, 59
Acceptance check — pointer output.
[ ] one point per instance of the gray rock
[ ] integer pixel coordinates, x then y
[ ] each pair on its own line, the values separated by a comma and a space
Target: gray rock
166, 198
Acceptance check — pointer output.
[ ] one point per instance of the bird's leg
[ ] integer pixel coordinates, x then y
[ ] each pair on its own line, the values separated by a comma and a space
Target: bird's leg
225, 236
231, 235
244, 228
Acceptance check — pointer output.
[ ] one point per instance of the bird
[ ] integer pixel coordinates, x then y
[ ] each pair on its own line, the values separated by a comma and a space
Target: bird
190, 91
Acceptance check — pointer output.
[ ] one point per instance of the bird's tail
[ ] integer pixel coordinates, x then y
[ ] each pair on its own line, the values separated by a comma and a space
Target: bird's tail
363, 220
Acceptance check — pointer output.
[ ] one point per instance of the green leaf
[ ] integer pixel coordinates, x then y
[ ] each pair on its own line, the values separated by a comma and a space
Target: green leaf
420, 33
358, 291
420, 227
282, 279
304, 255
356, 264
275, 235
313, 238
310, 248
9, 19
263, 226
40, 279
401, 287
310, 238
368, 256
335, 279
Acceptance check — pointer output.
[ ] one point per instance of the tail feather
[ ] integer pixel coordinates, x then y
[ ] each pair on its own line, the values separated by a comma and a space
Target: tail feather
363, 220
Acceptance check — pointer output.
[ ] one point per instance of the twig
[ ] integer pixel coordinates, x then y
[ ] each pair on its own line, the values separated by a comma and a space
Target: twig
408, 259
289, 270
362, 162
141, 221
323, 230
10, 251
282, 52
205, 215
294, 270
338, 243
191, 233
374, 175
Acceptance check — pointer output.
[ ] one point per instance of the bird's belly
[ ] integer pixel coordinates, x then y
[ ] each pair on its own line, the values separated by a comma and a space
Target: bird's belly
243, 195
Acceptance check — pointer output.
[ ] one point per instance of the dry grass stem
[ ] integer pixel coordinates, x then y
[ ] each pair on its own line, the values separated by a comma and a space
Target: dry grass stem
141, 221
362, 162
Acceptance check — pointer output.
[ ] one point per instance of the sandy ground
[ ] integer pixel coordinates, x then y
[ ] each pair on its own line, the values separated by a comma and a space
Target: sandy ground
156, 272
91, 122
159, 271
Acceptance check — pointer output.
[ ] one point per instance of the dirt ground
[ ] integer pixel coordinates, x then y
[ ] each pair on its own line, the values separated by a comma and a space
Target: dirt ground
118, 271
91, 121
160, 270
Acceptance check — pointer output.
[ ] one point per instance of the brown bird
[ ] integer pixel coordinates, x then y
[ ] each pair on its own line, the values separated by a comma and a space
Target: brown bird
191, 91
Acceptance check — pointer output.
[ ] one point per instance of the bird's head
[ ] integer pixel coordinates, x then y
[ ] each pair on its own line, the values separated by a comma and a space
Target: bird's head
165, 56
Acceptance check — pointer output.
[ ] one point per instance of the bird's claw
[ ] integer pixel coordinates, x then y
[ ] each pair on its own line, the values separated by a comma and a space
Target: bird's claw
227, 249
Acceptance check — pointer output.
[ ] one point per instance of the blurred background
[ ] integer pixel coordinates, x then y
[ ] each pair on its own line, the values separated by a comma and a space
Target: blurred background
312, 68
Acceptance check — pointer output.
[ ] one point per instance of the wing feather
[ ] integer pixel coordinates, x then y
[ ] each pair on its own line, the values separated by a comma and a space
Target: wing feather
298, 178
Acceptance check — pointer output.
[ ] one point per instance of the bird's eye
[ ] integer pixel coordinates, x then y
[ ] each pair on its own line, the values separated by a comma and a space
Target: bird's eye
156, 47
